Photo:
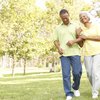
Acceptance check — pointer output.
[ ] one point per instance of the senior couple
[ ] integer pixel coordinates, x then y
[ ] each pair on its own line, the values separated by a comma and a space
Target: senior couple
67, 38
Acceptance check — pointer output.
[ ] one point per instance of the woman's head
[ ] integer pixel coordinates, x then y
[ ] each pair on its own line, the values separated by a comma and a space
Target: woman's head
84, 17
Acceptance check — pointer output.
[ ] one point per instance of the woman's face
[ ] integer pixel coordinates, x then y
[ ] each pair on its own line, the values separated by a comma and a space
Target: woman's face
84, 18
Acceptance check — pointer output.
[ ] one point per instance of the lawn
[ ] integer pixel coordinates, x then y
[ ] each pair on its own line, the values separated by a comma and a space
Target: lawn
39, 86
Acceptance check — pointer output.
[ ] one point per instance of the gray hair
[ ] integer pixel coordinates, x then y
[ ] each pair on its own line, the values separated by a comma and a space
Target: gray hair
88, 15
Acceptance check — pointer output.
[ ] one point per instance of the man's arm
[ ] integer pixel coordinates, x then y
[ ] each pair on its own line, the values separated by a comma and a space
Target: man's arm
71, 42
57, 44
78, 39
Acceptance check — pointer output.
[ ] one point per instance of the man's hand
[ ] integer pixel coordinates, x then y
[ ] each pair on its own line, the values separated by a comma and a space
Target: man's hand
60, 51
57, 44
70, 43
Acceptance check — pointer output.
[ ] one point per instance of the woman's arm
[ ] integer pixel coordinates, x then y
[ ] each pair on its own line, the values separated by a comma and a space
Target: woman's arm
92, 38
81, 41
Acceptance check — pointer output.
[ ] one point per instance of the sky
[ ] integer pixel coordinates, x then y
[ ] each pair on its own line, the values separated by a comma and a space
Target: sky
41, 4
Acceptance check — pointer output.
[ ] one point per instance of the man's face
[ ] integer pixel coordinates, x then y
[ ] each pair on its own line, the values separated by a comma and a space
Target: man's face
84, 18
65, 18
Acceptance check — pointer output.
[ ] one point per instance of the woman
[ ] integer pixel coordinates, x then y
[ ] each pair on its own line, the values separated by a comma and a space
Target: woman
91, 49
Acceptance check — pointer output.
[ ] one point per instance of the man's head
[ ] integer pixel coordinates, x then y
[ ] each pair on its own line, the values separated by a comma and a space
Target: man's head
64, 16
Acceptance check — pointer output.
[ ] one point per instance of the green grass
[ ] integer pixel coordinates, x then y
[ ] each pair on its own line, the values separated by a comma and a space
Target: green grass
39, 86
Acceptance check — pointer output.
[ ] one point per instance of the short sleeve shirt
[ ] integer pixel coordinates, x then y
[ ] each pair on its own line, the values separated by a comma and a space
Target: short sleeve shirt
64, 33
91, 47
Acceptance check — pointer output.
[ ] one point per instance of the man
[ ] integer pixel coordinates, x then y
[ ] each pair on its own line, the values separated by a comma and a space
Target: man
66, 43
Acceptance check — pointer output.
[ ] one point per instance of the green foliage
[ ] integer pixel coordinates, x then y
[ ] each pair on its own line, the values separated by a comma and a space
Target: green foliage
87, 8
69, 1
96, 0
58, 68
16, 22
26, 30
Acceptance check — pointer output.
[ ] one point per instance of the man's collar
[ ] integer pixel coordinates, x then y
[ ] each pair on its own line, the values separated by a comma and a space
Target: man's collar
68, 23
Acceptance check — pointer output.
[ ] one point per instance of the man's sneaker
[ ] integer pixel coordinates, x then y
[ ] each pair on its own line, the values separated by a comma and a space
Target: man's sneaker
95, 96
77, 93
69, 98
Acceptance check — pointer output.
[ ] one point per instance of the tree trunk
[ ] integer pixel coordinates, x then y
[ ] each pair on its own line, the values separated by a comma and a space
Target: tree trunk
3, 61
24, 66
13, 66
